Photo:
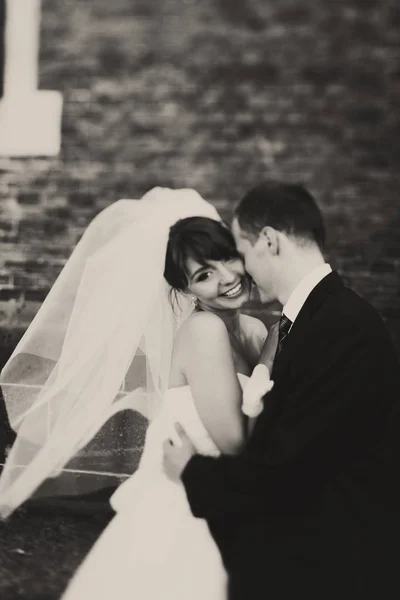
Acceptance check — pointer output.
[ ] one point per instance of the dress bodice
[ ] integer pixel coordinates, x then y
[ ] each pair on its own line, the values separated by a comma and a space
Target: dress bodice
178, 406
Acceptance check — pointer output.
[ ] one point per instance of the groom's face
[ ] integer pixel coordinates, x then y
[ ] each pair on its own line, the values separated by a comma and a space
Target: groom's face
257, 260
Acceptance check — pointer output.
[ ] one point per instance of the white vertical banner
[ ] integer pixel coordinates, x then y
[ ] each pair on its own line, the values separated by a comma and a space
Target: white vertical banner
30, 119
2, 42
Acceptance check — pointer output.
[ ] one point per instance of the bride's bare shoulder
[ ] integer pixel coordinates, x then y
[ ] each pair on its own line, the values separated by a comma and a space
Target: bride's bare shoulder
202, 325
202, 339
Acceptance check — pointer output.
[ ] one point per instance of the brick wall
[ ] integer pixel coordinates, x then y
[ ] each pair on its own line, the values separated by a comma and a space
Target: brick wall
215, 95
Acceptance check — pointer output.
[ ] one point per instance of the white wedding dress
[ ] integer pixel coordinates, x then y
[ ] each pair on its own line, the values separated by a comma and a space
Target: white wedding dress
154, 549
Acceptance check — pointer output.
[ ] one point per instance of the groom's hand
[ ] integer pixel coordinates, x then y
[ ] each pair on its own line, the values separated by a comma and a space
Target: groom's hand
176, 456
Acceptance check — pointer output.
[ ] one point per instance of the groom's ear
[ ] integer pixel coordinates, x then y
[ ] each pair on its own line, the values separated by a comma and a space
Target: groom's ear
269, 237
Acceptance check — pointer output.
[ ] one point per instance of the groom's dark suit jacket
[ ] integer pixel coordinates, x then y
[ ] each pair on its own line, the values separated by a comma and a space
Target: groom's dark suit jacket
311, 506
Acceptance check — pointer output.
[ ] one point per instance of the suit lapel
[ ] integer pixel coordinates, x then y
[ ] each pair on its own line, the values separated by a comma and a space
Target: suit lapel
323, 290
297, 336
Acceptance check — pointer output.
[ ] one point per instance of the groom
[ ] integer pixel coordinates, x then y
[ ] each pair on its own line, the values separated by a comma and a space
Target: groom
310, 508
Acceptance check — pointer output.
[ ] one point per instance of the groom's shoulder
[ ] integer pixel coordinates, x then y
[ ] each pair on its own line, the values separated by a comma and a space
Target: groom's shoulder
347, 309
352, 305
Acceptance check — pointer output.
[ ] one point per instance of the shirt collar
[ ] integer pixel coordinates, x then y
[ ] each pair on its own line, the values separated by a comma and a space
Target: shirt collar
303, 289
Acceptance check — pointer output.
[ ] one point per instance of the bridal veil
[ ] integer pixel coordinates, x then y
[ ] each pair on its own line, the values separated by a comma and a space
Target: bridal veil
101, 343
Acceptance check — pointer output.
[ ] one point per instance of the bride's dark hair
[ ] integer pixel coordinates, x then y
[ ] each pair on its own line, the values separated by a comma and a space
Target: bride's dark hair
199, 238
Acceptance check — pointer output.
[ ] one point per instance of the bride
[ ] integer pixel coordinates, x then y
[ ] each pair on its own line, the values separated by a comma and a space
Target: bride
157, 280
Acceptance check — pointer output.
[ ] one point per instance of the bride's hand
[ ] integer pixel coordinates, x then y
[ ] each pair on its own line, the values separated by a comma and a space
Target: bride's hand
254, 391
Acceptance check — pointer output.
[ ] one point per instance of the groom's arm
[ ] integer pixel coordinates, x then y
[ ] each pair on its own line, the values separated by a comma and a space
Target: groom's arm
336, 409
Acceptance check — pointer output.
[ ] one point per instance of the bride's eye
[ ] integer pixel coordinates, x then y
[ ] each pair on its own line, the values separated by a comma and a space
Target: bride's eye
204, 276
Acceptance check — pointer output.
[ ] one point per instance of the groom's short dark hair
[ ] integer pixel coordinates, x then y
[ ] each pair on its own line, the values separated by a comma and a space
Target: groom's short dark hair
286, 207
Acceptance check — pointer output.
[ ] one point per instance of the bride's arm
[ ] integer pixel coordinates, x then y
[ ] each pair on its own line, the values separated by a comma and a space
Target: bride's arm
207, 364
269, 349
264, 341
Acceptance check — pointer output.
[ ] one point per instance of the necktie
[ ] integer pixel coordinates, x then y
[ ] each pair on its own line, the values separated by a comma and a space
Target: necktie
284, 326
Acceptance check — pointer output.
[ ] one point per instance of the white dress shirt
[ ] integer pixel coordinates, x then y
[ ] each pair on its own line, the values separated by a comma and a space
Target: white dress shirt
303, 289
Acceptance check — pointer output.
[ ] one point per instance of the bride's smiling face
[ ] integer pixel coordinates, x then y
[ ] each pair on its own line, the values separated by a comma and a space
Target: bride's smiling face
202, 260
218, 284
